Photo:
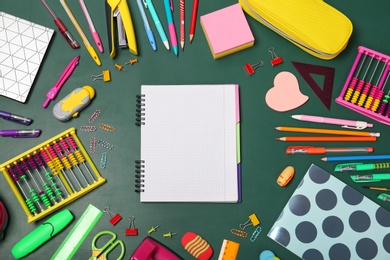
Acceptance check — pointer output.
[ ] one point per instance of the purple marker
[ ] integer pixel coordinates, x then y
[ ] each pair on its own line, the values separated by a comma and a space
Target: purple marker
27, 133
15, 118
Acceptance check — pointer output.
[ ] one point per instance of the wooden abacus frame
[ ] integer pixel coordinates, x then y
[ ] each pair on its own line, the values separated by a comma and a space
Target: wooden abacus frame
72, 195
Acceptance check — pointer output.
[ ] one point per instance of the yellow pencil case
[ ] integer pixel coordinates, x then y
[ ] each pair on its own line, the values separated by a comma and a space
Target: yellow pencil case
312, 25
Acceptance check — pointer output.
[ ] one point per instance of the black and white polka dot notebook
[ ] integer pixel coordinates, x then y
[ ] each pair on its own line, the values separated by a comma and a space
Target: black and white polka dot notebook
327, 219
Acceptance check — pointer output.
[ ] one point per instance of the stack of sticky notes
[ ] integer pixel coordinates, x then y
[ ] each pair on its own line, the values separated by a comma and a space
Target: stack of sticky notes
227, 31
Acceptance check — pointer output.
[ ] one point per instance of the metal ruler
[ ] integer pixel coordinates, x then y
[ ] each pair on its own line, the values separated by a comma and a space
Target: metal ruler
78, 233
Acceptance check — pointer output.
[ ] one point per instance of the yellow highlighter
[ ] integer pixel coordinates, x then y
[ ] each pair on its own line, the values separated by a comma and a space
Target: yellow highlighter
89, 47
73, 103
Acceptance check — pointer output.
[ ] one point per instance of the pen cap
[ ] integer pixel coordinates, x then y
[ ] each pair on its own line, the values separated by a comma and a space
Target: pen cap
42, 234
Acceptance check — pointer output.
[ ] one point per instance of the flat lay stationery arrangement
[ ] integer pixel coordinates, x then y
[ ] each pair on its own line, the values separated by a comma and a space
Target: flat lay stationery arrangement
210, 130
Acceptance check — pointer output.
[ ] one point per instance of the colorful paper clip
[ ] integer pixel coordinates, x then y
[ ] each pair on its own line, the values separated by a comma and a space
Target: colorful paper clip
238, 232
131, 230
115, 218
105, 76
103, 160
250, 68
253, 220
255, 234
275, 59
94, 116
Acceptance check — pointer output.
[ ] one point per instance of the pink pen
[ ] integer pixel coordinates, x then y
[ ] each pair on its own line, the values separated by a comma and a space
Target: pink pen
64, 76
92, 29
359, 125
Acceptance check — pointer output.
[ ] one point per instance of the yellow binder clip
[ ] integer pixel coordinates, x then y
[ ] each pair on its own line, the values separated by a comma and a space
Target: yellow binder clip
119, 10
105, 76
253, 220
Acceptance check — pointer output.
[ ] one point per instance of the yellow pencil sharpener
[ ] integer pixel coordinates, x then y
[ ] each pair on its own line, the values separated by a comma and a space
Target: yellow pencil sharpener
73, 103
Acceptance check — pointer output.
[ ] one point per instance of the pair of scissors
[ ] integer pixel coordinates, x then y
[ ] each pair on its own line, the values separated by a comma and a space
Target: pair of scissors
102, 252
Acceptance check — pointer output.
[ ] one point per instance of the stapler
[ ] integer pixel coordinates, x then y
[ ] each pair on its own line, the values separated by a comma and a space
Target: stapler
119, 10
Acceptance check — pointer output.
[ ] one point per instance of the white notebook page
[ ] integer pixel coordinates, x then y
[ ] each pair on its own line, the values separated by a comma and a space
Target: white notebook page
188, 143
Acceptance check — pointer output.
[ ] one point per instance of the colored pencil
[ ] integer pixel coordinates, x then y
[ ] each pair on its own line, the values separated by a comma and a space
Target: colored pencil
325, 131
357, 157
327, 139
376, 188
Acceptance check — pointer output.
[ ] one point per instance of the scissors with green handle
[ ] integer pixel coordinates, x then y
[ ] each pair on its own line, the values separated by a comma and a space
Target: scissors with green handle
102, 252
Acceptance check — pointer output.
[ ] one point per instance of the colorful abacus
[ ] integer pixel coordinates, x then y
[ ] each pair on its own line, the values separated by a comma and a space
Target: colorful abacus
363, 96
41, 196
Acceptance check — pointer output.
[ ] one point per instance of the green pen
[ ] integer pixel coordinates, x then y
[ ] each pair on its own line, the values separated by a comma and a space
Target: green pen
42, 233
375, 177
384, 197
354, 167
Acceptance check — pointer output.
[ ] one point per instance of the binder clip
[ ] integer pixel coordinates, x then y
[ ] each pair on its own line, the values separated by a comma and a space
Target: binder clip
131, 230
250, 68
275, 59
169, 234
115, 218
105, 76
153, 229
253, 220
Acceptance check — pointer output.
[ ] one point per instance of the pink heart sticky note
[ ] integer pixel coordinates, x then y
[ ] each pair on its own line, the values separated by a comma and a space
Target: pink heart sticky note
285, 94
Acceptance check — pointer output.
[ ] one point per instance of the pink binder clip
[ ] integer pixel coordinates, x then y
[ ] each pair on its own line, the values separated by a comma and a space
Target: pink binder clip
250, 68
275, 60
115, 218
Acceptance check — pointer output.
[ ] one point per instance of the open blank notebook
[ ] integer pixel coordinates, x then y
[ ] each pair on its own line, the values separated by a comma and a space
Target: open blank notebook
189, 143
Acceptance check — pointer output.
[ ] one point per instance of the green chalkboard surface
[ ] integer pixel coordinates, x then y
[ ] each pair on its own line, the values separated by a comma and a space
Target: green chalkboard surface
263, 157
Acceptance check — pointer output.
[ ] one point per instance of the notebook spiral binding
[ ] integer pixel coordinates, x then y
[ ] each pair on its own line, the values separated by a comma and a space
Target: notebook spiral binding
139, 176
140, 111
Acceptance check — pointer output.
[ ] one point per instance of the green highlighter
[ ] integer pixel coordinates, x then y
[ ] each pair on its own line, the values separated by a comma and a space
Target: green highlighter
42, 234
371, 177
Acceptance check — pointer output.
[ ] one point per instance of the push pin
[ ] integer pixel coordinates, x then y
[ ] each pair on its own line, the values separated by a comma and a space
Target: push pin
253, 220
169, 234
131, 230
115, 218
250, 68
105, 76
119, 67
275, 59
132, 61
153, 229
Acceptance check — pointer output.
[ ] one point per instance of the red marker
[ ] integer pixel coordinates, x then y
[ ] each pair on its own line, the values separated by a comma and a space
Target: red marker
62, 28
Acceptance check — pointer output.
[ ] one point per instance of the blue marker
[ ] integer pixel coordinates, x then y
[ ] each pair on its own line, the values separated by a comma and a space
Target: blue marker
149, 32
157, 22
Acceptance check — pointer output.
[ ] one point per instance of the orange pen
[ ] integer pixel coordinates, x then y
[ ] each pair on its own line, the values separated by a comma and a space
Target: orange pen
327, 139
323, 150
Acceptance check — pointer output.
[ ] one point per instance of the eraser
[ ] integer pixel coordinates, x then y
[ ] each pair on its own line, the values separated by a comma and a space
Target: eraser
196, 246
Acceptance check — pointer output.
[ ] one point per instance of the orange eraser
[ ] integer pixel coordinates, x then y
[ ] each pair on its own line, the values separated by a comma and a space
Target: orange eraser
196, 246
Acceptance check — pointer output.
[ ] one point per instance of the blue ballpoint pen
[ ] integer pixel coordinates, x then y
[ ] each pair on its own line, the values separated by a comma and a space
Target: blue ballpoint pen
171, 27
148, 4
149, 32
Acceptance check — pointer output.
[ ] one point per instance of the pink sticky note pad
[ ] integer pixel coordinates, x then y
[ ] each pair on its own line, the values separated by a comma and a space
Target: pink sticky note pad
227, 31
285, 94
